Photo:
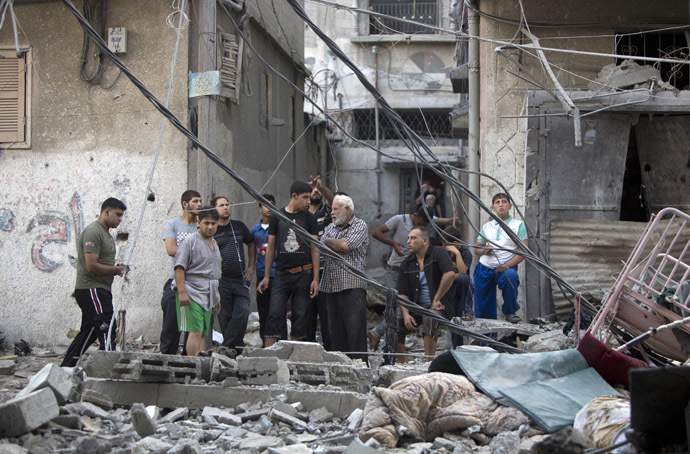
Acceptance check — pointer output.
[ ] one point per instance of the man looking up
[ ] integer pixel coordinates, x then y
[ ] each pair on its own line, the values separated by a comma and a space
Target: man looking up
348, 236
426, 275
297, 266
320, 203
96, 270
260, 234
197, 270
176, 230
498, 264
234, 288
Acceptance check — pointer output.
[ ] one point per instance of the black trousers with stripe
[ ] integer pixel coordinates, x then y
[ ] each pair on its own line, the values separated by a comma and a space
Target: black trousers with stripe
96, 306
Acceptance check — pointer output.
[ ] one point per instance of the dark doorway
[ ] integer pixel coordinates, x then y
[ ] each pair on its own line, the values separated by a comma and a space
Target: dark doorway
632, 200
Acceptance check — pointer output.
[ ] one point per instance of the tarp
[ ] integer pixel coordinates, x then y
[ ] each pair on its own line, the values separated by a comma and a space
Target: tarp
550, 387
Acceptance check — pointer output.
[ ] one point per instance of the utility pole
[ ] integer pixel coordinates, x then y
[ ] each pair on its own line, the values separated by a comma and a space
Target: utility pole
473, 136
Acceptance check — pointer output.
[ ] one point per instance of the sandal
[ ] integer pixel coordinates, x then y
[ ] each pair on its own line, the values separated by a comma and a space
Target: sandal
512, 318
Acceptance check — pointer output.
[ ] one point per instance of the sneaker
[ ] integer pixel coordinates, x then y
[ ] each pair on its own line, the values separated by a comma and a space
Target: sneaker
374, 340
512, 318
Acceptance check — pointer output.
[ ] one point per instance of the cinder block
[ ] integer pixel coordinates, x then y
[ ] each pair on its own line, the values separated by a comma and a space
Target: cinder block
306, 352
53, 377
262, 371
26, 413
146, 367
391, 374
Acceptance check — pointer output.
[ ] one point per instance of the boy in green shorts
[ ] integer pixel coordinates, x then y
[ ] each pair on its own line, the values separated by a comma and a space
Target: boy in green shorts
197, 271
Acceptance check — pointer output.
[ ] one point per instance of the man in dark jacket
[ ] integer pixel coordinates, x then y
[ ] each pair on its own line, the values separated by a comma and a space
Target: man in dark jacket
426, 275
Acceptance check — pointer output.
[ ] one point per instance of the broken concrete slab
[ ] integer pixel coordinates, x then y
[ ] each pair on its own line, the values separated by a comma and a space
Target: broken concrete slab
92, 445
102, 400
173, 395
285, 408
320, 415
222, 367
355, 419
222, 416
548, 342
256, 442
175, 415
53, 377
284, 417
87, 409
7, 366
253, 415
143, 424
391, 374
146, 367
350, 377
154, 445
26, 413
303, 352
262, 370
69, 421
186, 446
292, 449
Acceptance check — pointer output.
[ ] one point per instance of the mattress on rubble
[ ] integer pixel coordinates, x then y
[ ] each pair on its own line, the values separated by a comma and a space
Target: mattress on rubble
549, 387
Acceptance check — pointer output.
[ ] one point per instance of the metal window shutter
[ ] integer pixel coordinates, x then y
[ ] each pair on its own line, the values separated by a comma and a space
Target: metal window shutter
12, 99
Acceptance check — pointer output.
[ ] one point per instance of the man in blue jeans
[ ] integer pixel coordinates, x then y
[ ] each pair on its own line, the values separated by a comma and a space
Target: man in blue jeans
297, 266
498, 263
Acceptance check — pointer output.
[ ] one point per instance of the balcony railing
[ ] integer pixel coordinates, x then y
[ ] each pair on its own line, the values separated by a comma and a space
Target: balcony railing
425, 12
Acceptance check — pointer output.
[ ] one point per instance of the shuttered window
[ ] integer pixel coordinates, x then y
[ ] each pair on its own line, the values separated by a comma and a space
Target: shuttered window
13, 102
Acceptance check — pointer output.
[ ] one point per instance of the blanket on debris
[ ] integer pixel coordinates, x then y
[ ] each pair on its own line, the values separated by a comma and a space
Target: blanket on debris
423, 407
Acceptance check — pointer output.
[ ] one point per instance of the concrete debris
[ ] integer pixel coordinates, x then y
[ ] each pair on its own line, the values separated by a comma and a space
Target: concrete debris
262, 371
627, 74
504, 419
284, 417
102, 400
92, 445
355, 419
146, 367
53, 377
154, 445
292, 449
320, 415
222, 416
175, 415
548, 342
153, 412
87, 409
23, 414
69, 421
7, 366
141, 421
505, 443
390, 374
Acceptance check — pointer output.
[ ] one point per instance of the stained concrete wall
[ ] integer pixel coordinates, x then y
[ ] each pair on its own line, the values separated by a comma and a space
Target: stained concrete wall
389, 63
503, 140
88, 144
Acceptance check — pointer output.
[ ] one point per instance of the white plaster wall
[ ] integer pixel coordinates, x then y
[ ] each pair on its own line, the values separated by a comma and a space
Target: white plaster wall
88, 144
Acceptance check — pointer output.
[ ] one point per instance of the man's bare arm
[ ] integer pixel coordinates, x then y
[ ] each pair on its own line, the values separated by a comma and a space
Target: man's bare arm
170, 246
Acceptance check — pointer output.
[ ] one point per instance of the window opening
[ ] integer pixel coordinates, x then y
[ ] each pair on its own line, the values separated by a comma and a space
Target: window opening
659, 45
424, 11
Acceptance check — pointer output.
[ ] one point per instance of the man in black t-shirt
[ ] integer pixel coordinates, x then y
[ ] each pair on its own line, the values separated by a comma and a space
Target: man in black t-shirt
236, 274
297, 266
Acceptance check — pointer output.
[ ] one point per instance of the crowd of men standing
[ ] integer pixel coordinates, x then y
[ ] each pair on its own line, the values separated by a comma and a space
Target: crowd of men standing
211, 273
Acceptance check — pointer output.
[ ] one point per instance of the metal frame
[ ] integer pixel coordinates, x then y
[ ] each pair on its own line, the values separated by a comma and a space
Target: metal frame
659, 260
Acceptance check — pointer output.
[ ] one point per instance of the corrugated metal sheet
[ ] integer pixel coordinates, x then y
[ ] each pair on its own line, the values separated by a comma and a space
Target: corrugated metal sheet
589, 254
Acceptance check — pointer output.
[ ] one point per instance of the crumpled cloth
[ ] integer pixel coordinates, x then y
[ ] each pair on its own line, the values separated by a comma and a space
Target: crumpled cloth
423, 407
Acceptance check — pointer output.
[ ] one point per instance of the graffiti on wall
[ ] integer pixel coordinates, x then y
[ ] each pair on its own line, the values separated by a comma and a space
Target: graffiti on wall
6, 220
54, 228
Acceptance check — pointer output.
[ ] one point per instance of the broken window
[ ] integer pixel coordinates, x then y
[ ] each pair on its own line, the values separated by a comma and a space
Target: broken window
658, 45
432, 125
14, 100
424, 11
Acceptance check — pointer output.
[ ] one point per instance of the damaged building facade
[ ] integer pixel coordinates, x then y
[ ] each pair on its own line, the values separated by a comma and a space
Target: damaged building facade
67, 144
408, 63
586, 192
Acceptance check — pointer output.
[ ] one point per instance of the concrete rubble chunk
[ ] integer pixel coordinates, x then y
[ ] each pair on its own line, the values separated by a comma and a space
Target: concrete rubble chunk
7, 366
186, 446
102, 400
392, 374
320, 415
548, 342
355, 419
154, 445
444, 443
70, 421
505, 443
357, 447
26, 413
292, 449
263, 371
283, 417
285, 408
222, 367
92, 445
281, 350
256, 442
306, 352
54, 377
222, 416
7, 448
253, 415
336, 357
504, 419
141, 420
87, 409
175, 415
